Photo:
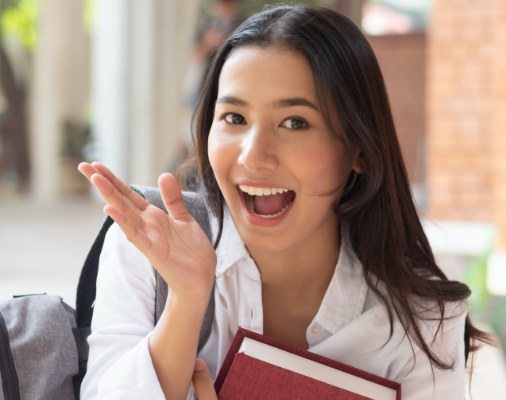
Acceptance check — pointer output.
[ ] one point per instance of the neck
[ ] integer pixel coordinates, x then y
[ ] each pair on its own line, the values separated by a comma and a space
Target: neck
304, 271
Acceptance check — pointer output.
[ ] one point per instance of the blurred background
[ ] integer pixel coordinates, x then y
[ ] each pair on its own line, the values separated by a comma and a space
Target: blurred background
117, 81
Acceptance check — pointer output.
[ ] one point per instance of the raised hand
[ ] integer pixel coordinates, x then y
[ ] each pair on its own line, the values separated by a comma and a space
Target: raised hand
175, 244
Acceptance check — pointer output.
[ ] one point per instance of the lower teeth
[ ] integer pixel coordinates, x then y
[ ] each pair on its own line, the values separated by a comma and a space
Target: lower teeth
251, 206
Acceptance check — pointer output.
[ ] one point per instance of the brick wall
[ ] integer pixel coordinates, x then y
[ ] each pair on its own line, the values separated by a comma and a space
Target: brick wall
463, 106
403, 62
499, 128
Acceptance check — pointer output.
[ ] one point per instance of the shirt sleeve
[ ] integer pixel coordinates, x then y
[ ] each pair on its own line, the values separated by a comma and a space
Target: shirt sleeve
448, 384
119, 361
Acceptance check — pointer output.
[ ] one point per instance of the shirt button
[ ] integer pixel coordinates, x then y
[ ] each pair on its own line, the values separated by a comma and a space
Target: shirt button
227, 274
315, 330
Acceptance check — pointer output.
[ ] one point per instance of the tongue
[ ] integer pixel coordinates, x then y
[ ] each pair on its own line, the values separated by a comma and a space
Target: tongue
268, 205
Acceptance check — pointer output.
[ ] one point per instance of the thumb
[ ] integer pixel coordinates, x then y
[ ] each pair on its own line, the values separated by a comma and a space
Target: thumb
200, 365
173, 198
203, 381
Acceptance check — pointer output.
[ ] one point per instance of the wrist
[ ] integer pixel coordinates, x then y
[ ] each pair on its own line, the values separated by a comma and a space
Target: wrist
196, 293
182, 312
189, 301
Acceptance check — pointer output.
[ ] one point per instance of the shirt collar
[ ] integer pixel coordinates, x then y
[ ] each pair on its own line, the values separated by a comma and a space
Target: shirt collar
231, 247
345, 296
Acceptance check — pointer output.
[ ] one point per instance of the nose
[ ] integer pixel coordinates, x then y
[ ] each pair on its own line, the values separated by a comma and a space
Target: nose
258, 152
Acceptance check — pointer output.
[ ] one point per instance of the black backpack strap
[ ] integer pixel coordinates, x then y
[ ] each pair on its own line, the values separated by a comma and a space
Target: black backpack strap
85, 297
87, 289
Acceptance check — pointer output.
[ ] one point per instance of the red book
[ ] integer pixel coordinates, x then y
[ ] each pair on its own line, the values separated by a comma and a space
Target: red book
261, 368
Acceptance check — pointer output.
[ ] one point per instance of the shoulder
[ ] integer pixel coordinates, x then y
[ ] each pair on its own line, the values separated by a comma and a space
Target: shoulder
442, 331
196, 203
444, 325
435, 323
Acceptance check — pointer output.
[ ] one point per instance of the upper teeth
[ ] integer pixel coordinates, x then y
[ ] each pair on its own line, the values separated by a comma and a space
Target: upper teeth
256, 191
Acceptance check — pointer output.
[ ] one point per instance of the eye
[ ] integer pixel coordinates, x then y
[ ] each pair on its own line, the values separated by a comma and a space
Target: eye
297, 124
233, 118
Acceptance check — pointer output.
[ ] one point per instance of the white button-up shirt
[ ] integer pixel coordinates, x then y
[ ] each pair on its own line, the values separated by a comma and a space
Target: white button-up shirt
351, 325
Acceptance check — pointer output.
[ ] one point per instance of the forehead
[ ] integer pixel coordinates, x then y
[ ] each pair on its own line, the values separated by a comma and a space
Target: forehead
268, 72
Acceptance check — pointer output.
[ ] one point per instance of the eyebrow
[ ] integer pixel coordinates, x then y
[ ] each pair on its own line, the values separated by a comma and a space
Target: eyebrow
294, 101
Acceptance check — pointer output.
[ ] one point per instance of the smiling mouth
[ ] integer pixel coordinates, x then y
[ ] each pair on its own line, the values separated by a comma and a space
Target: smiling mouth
268, 206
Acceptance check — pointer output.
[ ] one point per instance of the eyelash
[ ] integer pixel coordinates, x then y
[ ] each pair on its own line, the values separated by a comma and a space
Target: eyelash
306, 124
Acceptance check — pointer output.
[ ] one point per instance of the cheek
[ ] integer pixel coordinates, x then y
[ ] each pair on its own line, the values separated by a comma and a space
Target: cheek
220, 153
324, 168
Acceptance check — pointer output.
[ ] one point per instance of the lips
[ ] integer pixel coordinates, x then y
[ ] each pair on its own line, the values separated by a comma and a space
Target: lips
264, 221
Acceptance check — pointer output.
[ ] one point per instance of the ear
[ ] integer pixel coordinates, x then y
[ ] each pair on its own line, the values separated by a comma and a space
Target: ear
355, 166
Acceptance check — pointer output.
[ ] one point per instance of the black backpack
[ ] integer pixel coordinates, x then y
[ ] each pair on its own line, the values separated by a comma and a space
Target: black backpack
43, 341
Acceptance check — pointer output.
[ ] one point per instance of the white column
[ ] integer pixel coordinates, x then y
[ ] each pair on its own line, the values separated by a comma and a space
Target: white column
111, 84
162, 44
143, 58
140, 53
177, 39
60, 89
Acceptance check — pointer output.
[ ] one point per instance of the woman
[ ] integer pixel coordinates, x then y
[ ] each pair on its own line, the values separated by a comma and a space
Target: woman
335, 260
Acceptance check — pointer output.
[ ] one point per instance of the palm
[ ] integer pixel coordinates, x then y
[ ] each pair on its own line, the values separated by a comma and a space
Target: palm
174, 244
176, 248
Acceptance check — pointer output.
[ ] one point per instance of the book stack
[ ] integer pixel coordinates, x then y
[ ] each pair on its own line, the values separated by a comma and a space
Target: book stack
261, 368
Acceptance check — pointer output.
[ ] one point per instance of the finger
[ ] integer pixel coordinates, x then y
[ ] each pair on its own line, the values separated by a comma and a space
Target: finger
110, 194
87, 169
130, 194
129, 221
126, 212
203, 382
173, 198
132, 230
116, 215
129, 211
129, 208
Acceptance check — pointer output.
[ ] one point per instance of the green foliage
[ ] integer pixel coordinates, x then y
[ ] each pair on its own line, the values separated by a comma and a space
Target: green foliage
498, 319
5, 4
19, 19
476, 278
89, 12
486, 307
76, 135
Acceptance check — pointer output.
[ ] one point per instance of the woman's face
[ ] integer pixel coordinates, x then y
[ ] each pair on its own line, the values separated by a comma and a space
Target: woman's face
268, 132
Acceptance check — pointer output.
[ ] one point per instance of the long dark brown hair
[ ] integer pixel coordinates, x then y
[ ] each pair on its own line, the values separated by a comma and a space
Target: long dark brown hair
384, 227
